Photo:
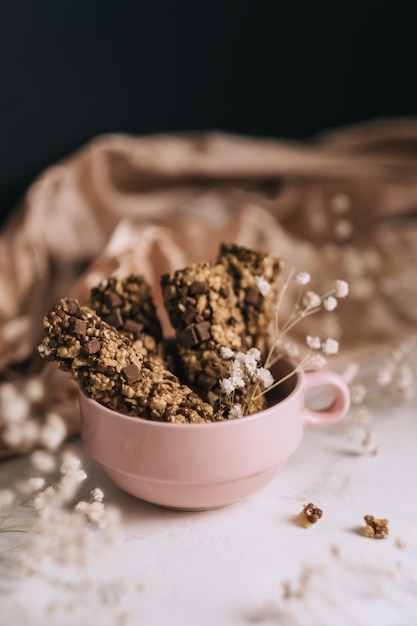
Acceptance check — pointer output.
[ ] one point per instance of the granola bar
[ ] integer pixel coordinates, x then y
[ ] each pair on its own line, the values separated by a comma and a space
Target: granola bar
201, 305
127, 305
256, 275
110, 370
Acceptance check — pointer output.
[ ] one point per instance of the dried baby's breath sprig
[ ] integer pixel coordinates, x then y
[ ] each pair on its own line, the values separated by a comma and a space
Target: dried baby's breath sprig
24, 422
376, 528
307, 303
244, 372
54, 532
43, 461
309, 515
388, 380
247, 378
94, 510
7, 497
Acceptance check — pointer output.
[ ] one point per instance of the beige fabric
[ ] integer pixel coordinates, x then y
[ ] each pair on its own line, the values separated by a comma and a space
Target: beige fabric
343, 206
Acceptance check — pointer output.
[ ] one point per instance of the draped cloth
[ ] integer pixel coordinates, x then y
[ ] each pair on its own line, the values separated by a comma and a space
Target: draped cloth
343, 205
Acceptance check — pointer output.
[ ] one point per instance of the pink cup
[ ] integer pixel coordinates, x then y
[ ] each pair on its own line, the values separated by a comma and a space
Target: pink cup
203, 466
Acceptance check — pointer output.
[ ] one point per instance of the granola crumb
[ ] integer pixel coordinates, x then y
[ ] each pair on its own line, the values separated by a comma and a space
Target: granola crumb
335, 551
376, 528
309, 515
400, 543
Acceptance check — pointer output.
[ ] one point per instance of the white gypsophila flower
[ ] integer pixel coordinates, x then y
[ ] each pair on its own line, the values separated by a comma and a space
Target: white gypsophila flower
95, 511
226, 353
34, 390
385, 375
69, 463
313, 342
237, 381
60, 537
238, 361
362, 416
226, 386
21, 435
330, 303
405, 376
43, 461
311, 300
302, 278
53, 432
235, 412
237, 366
69, 484
342, 229
97, 494
265, 377
255, 353
8, 393
316, 361
7, 497
250, 363
31, 485
340, 203
330, 346
341, 288
291, 349
263, 285
45, 499
81, 507
357, 393
350, 372
14, 407
72, 476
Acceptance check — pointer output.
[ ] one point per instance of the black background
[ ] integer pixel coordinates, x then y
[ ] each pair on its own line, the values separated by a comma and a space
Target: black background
73, 69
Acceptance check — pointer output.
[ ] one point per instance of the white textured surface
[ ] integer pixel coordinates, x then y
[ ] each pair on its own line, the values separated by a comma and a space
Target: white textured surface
227, 566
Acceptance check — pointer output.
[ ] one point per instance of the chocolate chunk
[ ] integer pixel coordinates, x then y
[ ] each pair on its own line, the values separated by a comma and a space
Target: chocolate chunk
203, 330
92, 347
252, 296
73, 307
199, 286
132, 373
113, 299
189, 314
79, 327
188, 337
115, 319
130, 326
205, 381
141, 318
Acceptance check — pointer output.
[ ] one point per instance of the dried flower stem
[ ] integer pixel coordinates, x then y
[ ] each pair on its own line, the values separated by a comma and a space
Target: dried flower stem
256, 380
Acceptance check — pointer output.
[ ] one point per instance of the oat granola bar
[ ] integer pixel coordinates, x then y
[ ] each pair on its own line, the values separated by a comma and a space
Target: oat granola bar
256, 275
127, 304
201, 305
108, 368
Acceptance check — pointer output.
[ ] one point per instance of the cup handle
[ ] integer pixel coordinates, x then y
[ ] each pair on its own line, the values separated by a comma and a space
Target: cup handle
340, 405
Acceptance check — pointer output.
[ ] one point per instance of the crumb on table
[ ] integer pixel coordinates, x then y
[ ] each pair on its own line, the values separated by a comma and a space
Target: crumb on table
376, 528
309, 515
